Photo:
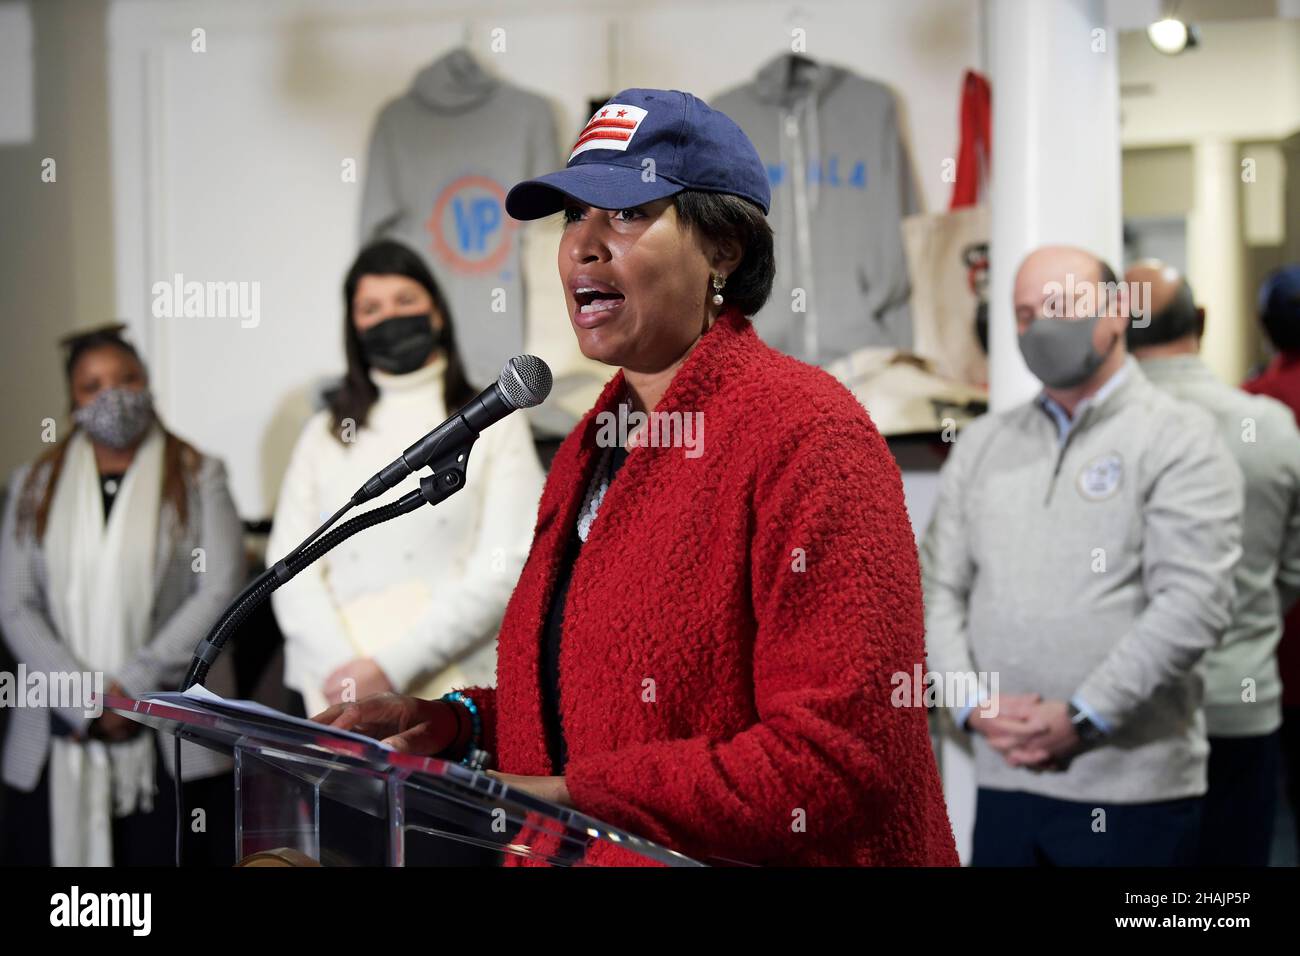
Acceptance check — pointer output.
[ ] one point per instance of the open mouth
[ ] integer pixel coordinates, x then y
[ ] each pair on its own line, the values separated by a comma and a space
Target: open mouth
596, 300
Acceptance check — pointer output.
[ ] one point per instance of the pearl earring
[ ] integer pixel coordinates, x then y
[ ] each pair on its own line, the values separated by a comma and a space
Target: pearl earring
718, 282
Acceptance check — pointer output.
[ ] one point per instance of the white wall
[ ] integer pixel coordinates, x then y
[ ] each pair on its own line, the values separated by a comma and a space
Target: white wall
17, 74
227, 163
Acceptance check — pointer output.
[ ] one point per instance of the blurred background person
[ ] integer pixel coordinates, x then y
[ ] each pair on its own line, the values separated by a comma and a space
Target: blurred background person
1279, 314
121, 546
1082, 549
410, 605
1243, 692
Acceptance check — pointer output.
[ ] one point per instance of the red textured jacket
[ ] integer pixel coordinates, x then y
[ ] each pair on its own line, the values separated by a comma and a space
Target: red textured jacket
769, 589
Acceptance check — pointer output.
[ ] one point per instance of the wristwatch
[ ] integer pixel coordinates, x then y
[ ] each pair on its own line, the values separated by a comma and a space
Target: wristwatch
1088, 732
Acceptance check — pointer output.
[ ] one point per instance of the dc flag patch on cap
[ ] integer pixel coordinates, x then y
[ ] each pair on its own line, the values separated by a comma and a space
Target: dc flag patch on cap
611, 127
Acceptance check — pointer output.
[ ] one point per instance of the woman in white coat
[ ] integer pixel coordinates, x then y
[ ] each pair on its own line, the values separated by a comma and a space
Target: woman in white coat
411, 605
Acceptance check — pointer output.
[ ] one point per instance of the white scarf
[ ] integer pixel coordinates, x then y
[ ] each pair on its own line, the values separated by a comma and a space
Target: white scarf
101, 603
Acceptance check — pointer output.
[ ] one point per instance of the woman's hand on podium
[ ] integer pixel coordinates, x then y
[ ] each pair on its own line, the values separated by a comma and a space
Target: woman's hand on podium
407, 724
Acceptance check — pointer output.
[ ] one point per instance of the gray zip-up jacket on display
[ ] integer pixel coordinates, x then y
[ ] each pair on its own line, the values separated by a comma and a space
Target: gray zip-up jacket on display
1100, 569
1243, 691
841, 185
441, 159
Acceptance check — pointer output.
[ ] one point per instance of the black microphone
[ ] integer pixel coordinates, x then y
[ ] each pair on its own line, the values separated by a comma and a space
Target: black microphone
525, 381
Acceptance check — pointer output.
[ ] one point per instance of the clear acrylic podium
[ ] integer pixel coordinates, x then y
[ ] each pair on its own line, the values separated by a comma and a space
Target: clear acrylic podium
347, 801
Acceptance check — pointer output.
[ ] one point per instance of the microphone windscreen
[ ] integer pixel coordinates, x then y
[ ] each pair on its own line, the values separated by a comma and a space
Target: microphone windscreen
525, 381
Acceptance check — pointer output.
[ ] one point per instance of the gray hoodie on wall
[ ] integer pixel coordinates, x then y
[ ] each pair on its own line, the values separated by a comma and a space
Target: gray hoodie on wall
841, 184
442, 157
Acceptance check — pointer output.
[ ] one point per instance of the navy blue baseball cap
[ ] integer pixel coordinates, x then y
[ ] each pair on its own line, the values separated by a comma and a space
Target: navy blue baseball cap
692, 146
1280, 290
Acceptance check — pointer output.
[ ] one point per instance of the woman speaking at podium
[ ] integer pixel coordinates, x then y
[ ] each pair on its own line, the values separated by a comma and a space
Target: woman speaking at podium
701, 644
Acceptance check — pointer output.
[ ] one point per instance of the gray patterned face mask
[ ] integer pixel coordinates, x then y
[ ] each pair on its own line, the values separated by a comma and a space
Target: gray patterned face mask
116, 417
1060, 351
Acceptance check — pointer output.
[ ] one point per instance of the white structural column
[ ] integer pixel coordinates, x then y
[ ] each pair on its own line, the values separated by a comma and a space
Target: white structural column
1216, 260
1056, 154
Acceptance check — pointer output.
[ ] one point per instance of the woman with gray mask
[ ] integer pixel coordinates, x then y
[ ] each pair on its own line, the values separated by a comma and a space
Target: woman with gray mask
120, 547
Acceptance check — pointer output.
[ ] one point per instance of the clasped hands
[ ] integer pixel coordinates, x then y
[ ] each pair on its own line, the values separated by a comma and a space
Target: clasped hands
110, 727
1028, 731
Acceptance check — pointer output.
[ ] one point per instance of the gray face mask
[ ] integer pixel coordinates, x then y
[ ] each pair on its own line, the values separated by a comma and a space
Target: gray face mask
116, 417
1060, 351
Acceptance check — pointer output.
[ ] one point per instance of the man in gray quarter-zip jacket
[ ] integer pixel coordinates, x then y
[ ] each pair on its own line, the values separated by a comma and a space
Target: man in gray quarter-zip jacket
1081, 553
1243, 690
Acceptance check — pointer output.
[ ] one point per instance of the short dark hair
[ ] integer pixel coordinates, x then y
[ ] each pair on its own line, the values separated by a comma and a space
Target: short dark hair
355, 395
1106, 278
721, 216
1279, 308
75, 346
1175, 321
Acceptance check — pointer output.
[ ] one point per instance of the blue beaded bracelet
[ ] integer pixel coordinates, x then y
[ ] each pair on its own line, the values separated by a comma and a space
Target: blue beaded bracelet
476, 722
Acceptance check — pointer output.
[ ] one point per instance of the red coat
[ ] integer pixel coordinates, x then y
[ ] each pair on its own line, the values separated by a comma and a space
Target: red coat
732, 626
1281, 380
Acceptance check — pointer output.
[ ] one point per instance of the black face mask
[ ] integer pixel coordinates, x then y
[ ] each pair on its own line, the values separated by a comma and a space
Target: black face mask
401, 344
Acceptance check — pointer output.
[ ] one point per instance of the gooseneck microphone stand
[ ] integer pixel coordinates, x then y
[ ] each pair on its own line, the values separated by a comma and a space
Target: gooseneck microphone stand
447, 478
524, 382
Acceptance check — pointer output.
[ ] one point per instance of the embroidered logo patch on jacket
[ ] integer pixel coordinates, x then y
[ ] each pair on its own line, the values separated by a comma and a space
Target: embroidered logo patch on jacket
1101, 477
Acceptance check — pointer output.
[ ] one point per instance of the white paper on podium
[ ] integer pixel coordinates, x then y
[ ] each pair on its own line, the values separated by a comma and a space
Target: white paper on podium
184, 700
